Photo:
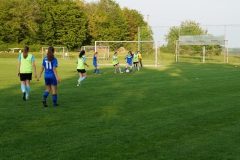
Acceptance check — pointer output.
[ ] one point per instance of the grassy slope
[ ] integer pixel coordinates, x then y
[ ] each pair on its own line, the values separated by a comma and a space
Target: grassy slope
183, 111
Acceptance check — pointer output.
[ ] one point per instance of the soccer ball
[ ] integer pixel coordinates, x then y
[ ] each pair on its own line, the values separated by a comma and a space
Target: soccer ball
127, 71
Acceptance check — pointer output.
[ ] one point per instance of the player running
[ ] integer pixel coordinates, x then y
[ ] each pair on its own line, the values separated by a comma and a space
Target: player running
116, 63
81, 62
129, 58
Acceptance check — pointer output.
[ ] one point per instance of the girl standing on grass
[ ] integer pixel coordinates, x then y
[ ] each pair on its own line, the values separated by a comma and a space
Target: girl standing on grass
95, 63
50, 64
81, 62
136, 61
116, 63
25, 64
140, 58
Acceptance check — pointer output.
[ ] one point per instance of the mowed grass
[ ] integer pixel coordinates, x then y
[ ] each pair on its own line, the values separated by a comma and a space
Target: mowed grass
180, 111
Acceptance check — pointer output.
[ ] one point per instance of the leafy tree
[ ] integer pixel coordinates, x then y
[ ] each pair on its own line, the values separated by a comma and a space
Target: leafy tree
105, 21
186, 28
19, 21
63, 23
134, 21
70, 23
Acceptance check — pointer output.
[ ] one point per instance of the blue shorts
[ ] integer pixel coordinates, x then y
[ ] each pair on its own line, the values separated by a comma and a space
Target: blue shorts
95, 64
129, 63
50, 81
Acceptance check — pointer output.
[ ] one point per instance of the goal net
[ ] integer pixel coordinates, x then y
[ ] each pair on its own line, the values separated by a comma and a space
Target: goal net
103, 51
60, 52
148, 49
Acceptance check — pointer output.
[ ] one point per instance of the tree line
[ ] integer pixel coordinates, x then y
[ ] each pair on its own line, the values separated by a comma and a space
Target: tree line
75, 23
70, 23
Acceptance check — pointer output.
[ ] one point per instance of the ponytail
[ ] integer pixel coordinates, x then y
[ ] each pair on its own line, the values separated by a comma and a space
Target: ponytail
25, 52
81, 53
50, 53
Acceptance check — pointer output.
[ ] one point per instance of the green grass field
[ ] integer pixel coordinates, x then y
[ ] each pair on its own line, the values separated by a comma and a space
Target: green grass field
180, 111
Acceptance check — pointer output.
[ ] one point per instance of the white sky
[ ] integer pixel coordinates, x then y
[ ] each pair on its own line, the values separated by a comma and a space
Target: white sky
173, 12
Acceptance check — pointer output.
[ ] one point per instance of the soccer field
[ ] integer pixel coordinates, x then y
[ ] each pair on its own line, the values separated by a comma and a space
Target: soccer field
180, 111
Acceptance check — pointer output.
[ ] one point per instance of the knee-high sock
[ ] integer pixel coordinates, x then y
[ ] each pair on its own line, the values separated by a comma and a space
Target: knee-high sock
27, 90
54, 98
98, 71
45, 95
23, 87
81, 79
120, 69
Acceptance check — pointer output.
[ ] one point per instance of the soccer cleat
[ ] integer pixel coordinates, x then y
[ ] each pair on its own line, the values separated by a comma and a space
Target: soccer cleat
121, 72
44, 103
24, 96
56, 105
78, 83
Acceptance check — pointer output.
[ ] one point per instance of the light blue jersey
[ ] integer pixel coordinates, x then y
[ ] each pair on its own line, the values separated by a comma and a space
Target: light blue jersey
95, 61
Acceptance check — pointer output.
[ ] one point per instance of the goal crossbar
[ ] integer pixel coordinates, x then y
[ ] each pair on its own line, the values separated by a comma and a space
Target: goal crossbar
155, 42
202, 40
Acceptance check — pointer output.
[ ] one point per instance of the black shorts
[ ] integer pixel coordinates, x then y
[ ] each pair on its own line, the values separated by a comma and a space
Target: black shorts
25, 76
81, 70
135, 62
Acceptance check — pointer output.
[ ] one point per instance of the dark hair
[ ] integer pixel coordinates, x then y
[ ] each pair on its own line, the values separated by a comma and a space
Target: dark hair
50, 53
25, 51
82, 52
130, 53
95, 53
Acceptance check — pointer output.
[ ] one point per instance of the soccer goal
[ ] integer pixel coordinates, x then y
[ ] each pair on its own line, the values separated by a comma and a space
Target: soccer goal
202, 48
60, 52
103, 51
148, 49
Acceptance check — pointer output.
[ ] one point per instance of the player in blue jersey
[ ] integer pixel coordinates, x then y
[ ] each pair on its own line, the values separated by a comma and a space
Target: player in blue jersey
81, 62
50, 64
95, 63
25, 66
129, 58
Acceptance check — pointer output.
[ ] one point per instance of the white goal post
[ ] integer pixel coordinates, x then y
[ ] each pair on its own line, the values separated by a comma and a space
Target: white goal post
152, 45
103, 51
202, 40
59, 51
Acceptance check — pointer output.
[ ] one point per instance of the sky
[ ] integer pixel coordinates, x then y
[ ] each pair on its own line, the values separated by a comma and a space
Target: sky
219, 17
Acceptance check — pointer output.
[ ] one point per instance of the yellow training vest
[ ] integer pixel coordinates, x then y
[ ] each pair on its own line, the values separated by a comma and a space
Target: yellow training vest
26, 64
